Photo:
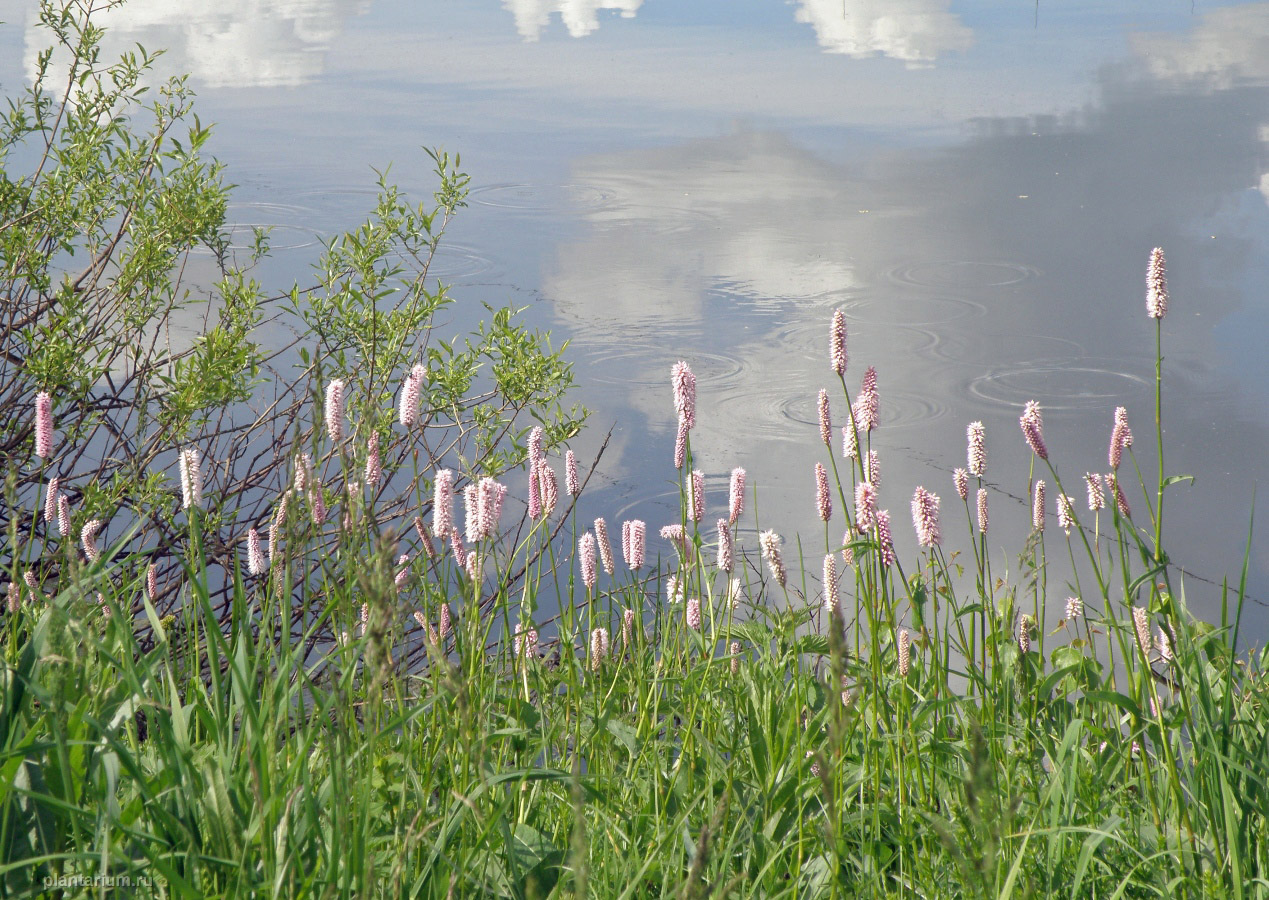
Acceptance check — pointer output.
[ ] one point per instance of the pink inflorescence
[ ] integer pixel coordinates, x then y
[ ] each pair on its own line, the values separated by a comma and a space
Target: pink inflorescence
925, 517
680, 445
976, 452
628, 627
605, 546
572, 483
982, 510
884, 542
769, 542
865, 507
826, 421
489, 506
1096, 497
696, 495
50, 499
634, 542
684, 394
960, 478
374, 467
536, 459
550, 488
586, 555
256, 563
276, 523
411, 391
1141, 625
316, 502
429, 548
1157, 285
43, 425
905, 652
1066, 512
693, 614
443, 504
832, 597
598, 648
88, 537
823, 500
403, 571
724, 546
1037, 507
1121, 502
873, 469
1024, 634
837, 342
1033, 429
335, 410
850, 441
1074, 608
191, 478
1120, 437
151, 582
63, 515
868, 403
736, 497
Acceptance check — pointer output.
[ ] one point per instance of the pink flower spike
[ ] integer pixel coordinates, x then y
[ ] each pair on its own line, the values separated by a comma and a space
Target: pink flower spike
403, 571
634, 543
925, 517
680, 445
471, 513
1141, 624
571, 482
868, 403
43, 425
832, 596
586, 556
88, 537
1037, 507
256, 564
848, 552
976, 453
960, 478
63, 515
191, 479
837, 342
335, 410
489, 506
696, 495
823, 501
1120, 437
736, 498
677, 536
443, 504
905, 652
445, 626
884, 541
420, 529
598, 648
550, 488
460, 552
605, 546
693, 614
850, 442
684, 394
769, 542
873, 469
826, 423
1096, 498
316, 503
1033, 429
50, 499
411, 390
374, 468
152, 582
1074, 608
865, 507
1156, 285
628, 627
724, 546
1121, 502
982, 510
1066, 512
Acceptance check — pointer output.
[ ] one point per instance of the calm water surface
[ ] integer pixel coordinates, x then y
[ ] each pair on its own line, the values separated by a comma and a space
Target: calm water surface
977, 184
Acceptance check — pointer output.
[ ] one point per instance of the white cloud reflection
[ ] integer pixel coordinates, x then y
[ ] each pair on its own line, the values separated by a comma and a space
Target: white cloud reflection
914, 31
231, 43
581, 17
1227, 46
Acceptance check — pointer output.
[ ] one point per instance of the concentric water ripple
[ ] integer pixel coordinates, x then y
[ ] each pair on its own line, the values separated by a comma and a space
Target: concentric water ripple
554, 198
647, 364
289, 227
960, 274
1067, 383
791, 414
457, 261
912, 311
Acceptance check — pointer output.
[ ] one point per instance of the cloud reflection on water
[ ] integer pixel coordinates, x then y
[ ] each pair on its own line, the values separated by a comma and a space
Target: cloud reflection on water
581, 17
915, 31
230, 43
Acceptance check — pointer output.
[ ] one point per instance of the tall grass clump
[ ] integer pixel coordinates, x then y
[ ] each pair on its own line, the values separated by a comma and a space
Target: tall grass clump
343, 632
